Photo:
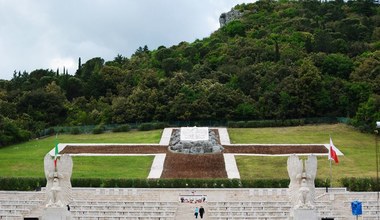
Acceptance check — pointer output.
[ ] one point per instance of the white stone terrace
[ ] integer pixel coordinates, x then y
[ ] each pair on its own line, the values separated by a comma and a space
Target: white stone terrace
144, 203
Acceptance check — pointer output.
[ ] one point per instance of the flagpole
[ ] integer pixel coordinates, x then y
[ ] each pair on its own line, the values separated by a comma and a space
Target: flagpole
329, 156
377, 165
330, 174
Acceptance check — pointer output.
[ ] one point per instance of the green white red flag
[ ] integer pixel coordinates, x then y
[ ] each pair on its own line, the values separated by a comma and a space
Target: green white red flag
56, 152
55, 156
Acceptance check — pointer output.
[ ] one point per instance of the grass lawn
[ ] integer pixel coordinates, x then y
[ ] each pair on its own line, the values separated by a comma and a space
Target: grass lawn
112, 167
26, 159
358, 148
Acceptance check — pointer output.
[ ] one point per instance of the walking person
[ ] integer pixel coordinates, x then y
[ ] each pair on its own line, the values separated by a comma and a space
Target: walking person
201, 211
196, 212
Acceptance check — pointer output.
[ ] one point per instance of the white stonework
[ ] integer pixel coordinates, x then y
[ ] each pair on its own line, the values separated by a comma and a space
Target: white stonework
157, 166
166, 135
231, 166
303, 214
222, 203
194, 134
223, 136
56, 214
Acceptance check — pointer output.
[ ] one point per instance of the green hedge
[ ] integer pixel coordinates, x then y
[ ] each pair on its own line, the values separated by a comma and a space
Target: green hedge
27, 184
152, 126
122, 128
208, 123
282, 123
32, 183
21, 183
157, 183
360, 184
99, 129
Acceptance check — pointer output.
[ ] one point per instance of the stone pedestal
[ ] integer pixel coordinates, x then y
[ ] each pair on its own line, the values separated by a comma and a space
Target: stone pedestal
58, 213
303, 214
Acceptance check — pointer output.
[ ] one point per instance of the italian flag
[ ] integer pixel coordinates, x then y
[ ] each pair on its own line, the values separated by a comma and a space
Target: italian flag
56, 152
55, 156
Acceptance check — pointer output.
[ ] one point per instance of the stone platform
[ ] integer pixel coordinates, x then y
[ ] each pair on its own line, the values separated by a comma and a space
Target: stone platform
144, 203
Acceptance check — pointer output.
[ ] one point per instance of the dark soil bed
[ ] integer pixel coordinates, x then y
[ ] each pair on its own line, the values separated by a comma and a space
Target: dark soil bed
194, 166
130, 149
179, 165
247, 149
279, 149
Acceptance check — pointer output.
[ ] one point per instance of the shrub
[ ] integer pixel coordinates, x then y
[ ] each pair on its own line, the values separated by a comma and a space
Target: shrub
21, 183
11, 133
152, 126
160, 125
232, 124
359, 184
32, 183
281, 123
75, 131
86, 182
235, 28
122, 128
98, 129
146, 126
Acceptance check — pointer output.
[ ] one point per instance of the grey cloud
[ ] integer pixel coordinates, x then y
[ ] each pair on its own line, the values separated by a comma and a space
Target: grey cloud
50, 34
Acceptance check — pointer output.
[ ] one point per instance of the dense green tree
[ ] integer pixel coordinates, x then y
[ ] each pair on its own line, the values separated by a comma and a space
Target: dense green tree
10, 133
77, 112
323, 40
40, 73
280, 60
140, 105
119, 61
223, 101
91, 67
368, 70
44, 105
353, 30
170, 65
338, 65
235, 28
74, 88
357, 93
368, 114
180, 108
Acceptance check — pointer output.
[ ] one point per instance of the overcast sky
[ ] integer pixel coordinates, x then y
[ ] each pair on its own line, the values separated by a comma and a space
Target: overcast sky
51, 34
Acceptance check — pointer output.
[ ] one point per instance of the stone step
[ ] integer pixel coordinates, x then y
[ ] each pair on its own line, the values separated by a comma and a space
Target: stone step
274, 202
185, 211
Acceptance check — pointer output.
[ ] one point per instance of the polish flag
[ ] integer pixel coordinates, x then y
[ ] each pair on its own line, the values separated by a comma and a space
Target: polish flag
332, 152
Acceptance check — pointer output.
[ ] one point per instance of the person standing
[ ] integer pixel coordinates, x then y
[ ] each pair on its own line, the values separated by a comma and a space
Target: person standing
201, 211
196, 212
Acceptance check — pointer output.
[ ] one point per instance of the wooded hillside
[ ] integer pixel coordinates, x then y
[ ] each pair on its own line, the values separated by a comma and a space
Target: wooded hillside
281, 60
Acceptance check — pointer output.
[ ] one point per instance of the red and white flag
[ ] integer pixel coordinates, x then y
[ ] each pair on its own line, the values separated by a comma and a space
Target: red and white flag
332, 152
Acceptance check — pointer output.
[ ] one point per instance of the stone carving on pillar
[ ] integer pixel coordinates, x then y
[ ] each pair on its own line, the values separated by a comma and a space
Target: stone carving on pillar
301, 187
58, 175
